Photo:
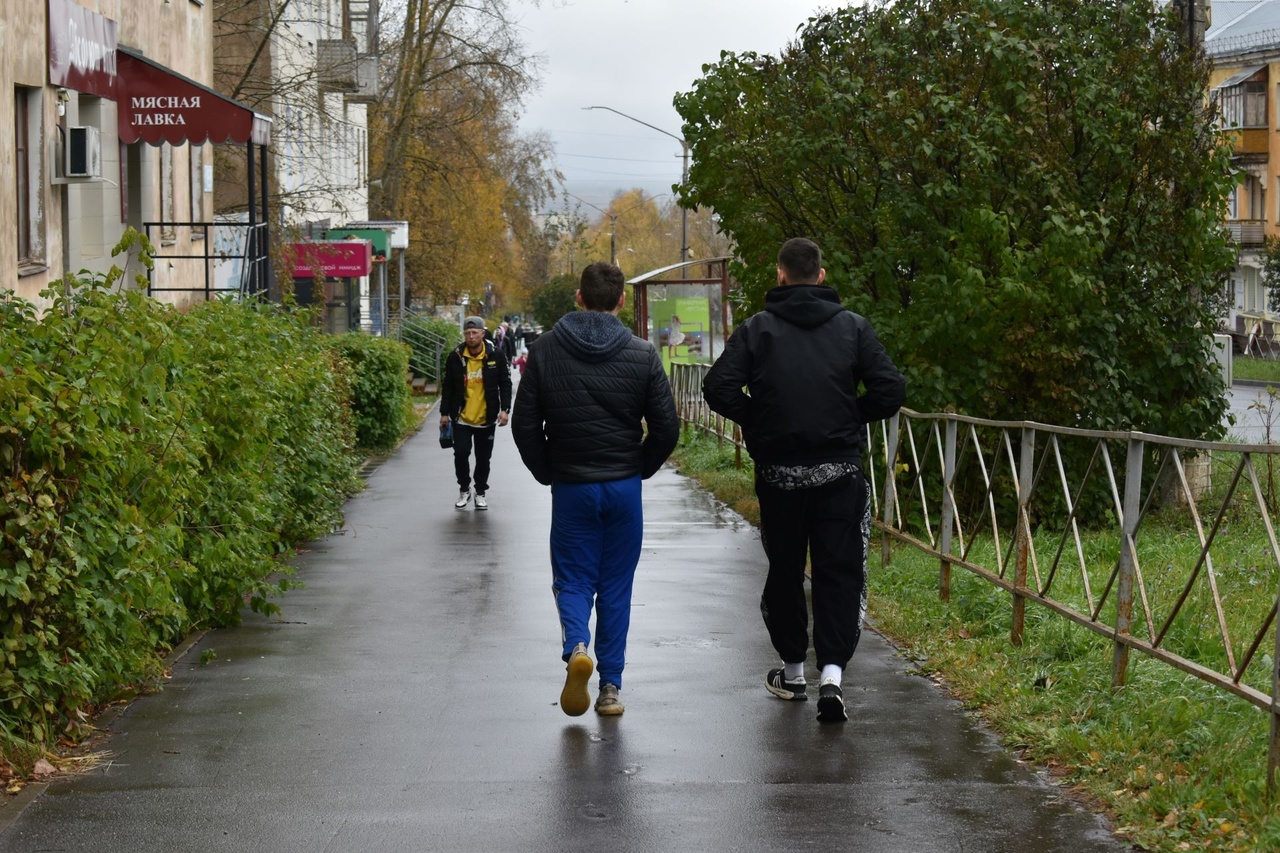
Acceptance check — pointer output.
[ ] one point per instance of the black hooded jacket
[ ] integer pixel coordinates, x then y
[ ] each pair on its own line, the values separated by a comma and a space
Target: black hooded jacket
586, 389
801, 361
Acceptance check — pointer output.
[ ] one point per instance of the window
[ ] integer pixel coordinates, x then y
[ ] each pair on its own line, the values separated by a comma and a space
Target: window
1233, 203
168, 231
27, 117
195, 166
1257, 192
1242, 105
1255, 295
22, 148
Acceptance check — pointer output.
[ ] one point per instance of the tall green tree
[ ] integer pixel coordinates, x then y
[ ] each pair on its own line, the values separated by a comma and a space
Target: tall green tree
554, 299
1024, 197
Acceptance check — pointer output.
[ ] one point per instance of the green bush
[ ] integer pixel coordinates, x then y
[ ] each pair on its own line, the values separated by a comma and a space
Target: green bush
152, 466
379, 393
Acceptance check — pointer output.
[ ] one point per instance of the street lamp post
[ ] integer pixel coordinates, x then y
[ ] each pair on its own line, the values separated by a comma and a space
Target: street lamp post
684, 176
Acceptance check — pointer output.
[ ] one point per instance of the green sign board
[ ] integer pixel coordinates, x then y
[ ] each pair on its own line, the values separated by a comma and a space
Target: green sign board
377, 236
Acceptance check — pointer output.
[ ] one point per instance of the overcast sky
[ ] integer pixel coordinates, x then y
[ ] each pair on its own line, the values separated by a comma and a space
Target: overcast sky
634, 56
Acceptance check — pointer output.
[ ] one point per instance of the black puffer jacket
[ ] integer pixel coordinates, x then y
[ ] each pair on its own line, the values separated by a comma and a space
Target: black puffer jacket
802, 361
588, 391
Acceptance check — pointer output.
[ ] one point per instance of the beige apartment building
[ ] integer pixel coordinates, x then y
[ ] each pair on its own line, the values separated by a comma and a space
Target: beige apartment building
114, 125
1244, 44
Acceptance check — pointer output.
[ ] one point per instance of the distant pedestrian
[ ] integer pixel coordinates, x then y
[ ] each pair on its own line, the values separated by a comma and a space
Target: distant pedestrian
510, 346
594, 416
476, 397
802, 361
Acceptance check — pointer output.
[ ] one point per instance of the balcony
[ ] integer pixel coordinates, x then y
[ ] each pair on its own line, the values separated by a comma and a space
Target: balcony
1247, 233
336, 65
366, 91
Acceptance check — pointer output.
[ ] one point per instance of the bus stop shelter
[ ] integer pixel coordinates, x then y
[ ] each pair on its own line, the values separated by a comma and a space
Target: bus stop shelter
685, 303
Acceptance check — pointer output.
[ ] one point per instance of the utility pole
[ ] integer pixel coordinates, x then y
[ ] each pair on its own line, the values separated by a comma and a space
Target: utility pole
1196, 17
684, 175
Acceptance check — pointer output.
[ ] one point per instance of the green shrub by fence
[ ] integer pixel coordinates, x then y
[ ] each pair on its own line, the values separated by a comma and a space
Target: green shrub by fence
153, 464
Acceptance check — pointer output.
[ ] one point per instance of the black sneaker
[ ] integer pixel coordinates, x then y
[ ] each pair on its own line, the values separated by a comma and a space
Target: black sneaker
777, 684
831, 704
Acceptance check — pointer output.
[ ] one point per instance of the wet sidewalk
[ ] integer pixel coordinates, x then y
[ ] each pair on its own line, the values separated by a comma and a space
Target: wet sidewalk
405, 700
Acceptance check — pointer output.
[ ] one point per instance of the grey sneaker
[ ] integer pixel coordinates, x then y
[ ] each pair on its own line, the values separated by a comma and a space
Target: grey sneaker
464, 497
481, 503
574, 698
831, 704
777, 683
607, 703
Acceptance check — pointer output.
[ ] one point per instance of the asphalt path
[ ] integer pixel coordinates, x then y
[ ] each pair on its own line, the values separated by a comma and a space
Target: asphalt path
406, 700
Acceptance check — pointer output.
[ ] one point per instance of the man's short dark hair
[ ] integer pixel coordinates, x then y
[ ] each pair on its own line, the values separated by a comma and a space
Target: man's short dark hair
602, 286
800, 259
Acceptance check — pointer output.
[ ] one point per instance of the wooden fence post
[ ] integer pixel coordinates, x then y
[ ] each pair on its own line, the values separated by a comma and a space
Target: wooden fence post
1022, 535
948, 509
890, 487
1127, 559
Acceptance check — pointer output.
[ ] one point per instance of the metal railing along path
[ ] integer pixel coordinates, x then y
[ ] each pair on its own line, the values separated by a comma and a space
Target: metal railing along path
1056, 517
427, 347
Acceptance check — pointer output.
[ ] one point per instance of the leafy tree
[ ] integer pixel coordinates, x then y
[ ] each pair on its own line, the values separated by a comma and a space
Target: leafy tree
445, 152
1025, 198
555, 299
643, 233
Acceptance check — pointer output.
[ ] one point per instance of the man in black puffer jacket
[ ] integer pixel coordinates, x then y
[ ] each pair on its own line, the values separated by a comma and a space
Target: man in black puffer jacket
589, 391
802, 360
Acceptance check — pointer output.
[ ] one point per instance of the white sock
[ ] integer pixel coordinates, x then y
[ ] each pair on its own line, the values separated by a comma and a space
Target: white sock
831, 674
792, 671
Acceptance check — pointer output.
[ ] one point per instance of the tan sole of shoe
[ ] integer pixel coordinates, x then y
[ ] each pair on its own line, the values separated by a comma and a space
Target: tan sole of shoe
574, 698
614, 709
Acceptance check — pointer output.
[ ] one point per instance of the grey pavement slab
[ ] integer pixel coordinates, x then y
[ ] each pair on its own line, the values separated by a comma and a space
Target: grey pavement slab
406, 700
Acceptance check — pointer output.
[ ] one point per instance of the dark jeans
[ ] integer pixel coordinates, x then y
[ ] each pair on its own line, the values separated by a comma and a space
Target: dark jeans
830, 525
463, 438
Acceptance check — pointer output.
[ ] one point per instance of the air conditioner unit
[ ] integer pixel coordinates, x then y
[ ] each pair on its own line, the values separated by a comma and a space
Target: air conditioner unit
84, 153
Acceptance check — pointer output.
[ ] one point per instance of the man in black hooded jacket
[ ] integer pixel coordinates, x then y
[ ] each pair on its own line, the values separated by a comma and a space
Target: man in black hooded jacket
801, 361
589, 391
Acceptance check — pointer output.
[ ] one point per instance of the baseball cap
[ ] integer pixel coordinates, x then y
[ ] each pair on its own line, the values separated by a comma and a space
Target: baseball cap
473, 322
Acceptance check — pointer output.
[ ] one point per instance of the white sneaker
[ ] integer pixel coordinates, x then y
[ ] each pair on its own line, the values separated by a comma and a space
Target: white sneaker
481, 503
463, 497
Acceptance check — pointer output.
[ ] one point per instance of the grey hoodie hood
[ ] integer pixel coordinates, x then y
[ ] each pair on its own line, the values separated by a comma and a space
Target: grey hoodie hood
806, 305
592, 336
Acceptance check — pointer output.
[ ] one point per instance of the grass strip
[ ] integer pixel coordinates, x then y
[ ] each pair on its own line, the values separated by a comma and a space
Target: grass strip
1175, 763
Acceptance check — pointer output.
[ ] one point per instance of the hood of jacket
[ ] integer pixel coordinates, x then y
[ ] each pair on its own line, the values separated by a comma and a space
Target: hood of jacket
592, 335
806, 305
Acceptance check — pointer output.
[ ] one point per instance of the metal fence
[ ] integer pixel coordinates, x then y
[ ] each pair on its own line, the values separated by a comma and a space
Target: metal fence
1165, 546
427, 347
230, 259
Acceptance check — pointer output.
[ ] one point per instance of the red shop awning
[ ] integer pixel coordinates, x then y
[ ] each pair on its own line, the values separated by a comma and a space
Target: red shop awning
156, 105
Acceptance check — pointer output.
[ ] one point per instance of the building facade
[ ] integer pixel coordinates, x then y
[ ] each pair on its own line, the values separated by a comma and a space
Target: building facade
113, 126
1243, 41
311, 65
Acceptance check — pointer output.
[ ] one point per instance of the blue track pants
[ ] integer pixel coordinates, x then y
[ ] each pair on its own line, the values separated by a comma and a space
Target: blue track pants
596, 531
